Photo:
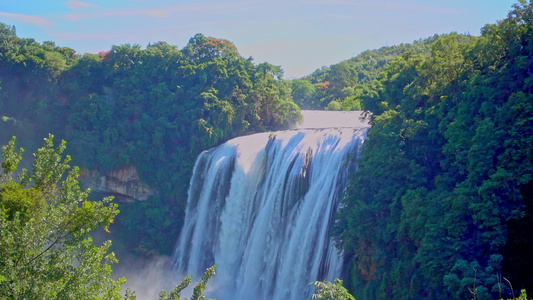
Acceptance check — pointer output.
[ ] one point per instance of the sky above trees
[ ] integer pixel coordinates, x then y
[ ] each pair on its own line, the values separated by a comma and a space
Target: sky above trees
299, 35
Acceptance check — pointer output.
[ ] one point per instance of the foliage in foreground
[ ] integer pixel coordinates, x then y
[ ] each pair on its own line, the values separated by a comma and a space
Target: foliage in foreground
45, 220
331, 291
522, 296
46, 251
198, 291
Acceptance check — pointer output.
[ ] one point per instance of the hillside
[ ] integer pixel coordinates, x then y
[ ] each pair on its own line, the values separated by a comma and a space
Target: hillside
442, 202
154, 109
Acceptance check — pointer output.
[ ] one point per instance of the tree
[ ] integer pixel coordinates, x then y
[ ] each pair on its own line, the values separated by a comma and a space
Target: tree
46, 251
331, 291
198, 291
303, 92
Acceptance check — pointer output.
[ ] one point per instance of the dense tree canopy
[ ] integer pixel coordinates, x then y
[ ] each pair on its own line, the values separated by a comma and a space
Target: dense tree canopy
155, 108
343, 86
442, 172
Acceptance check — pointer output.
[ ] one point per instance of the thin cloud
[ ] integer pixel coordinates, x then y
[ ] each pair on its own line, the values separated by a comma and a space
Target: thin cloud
78, 5
101, 36
157, 13
204, 8
27, 18
387, 5
115, 14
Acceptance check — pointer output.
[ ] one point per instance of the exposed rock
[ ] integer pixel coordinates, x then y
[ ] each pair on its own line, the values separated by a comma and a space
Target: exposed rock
123, 183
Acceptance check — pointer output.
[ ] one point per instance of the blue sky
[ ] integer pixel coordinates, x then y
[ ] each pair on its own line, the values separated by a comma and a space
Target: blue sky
299, 35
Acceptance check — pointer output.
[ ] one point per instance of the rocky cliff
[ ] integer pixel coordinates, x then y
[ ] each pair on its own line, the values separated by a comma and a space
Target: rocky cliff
123, 183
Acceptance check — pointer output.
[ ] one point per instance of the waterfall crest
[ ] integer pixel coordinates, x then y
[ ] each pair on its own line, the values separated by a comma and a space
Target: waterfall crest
260, 207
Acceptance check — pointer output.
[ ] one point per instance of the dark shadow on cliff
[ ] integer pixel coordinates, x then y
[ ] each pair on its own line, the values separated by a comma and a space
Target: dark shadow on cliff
517, 265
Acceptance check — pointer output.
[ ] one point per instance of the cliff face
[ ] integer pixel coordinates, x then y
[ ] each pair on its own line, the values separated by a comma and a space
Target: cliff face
122, 183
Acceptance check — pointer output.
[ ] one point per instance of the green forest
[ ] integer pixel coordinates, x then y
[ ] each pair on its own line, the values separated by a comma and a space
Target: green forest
442, 202
155, 108
441, 206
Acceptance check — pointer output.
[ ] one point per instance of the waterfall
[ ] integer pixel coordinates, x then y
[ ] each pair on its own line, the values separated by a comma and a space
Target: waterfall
260, 207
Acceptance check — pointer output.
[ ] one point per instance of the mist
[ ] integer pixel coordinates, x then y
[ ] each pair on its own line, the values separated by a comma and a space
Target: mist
147, 277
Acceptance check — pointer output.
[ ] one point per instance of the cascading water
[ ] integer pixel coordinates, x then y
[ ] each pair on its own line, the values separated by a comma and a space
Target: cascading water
260, 208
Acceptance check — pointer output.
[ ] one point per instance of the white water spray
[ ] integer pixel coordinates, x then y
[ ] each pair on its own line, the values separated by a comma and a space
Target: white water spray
260, 208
